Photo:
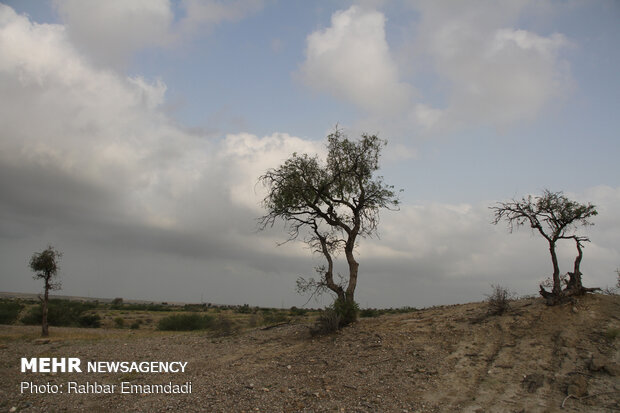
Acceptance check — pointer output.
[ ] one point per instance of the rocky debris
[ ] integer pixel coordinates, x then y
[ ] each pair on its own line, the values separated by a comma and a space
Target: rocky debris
599, 363
429, 361
578, 386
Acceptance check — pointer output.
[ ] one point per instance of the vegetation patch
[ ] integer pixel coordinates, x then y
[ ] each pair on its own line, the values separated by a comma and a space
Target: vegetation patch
65, 313
185, 322
9, 311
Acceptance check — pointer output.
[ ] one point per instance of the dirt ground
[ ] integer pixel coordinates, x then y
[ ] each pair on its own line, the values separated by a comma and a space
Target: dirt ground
443, 359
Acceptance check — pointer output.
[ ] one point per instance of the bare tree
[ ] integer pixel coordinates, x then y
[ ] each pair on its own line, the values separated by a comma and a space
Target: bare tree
330, 204
45, 266
555, 217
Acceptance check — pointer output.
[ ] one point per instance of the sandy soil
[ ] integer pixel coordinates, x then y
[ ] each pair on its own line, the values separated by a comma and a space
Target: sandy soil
442, 359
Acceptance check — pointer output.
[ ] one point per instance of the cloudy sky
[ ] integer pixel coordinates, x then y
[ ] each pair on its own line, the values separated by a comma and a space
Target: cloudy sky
133, 134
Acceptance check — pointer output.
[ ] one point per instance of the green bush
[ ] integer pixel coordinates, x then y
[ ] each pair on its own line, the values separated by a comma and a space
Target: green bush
119, 322
370, 312
147, 307
243, 309
64, 313
9, 311
90, 321
185, 322
298, 311
347, 310
135, 325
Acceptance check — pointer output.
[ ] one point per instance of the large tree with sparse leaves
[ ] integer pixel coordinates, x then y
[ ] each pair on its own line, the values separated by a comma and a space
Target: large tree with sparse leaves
331, 204
555, 217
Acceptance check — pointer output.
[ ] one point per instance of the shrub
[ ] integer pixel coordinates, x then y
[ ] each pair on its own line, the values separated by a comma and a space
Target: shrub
119, 322
185, 322
64, 313
135, 325
327, 323
223, 326
243, 309
369, 312
89, 321
9, 311
347, 310
298, 311
117, 302
499, 300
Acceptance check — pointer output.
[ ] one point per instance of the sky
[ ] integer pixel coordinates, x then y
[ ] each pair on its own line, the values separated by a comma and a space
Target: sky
133, 133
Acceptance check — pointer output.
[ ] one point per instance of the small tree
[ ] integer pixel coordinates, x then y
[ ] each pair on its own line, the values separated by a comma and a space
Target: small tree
45, 266
555, 217
331, 204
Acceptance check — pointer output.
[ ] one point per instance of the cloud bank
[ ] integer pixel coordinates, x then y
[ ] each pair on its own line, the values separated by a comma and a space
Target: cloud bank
142, 208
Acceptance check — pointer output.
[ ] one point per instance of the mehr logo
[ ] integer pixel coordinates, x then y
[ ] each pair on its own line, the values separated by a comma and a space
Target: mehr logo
51, 365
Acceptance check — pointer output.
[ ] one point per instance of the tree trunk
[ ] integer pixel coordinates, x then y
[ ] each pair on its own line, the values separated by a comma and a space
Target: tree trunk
575, 285
557, 286
44, 327
329, 273
353, 269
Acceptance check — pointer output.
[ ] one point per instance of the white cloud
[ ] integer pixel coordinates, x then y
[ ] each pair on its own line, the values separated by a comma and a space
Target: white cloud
89, 151
250, 156
497, 73
351, 60
491, 71
110, 31
200, 13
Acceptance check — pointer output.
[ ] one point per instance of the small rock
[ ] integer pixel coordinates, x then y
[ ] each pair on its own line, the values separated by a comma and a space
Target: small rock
597, 363
578, 386
13, 409
42, 341
289, 367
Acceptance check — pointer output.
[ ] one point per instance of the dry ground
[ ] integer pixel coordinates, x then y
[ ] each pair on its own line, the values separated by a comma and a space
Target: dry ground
442, 359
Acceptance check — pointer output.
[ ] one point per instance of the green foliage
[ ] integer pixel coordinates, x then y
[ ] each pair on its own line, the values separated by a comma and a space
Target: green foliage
347, 310
9, 311
135, 325
147, 307
117, 303
244, 309
330, 203
185, 322
89, 321
369, 312
194, 307
374, 312
64, 313
119, 322
552, 214
298, 311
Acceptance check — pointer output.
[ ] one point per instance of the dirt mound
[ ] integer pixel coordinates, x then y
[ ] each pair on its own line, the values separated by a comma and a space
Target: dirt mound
444, 359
